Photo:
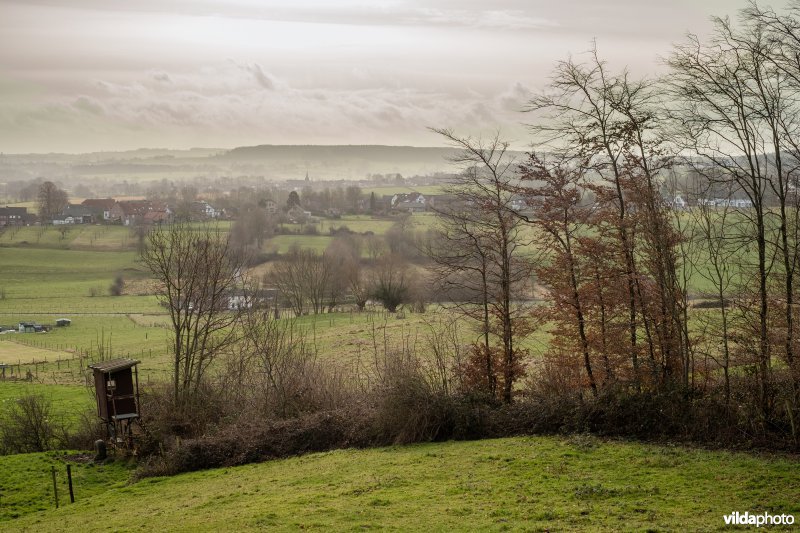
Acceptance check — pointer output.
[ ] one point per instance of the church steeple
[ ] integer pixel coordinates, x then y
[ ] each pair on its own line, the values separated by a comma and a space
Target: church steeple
306, 175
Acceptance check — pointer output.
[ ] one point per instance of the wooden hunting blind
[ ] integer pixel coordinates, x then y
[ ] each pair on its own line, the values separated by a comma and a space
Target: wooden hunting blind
116, 385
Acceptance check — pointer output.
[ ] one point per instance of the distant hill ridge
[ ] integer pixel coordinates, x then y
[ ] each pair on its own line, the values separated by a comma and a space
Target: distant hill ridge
398, 154
324, 162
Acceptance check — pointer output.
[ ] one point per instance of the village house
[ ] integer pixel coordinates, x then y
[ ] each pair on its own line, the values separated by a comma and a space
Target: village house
297, 215
130, 212
203, 210
384, 203
519, 205
62, 220
260, 299
77, 213
678, 202
161, 216
100, 207
413, 202
270, 206
15, 216
31, 327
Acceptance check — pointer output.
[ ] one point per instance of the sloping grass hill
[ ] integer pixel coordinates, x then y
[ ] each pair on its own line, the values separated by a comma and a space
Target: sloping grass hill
530, 483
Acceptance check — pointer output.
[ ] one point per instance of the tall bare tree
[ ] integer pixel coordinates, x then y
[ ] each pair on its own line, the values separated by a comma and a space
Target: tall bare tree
479, 251
309, 281
735, 111
198, 275
723, 235
780, 35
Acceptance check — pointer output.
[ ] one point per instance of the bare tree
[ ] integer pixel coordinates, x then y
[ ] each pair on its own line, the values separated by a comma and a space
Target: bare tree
197, 274
480, 250
309, 281
358, 283
26, 425
251, 229
316, 273
287, 276
50, 200
391, 281
776, 36
375, 246
721, 233
731, 108
354, 196
342, 259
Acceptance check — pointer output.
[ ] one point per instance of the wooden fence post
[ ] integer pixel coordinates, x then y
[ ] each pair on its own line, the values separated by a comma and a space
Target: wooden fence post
69, 480
55, 486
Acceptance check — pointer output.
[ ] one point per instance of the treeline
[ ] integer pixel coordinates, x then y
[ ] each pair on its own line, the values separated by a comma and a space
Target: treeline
619, 254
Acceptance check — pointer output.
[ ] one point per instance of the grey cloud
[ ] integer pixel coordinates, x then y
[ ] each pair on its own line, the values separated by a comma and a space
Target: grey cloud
260, 76
162, 77
84, 103
191, 106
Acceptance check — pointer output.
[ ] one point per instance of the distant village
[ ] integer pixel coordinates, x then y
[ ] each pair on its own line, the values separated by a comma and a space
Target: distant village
292, 201
148, 212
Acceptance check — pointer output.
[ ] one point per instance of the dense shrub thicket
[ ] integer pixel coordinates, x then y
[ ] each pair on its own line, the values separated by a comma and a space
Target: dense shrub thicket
407, 402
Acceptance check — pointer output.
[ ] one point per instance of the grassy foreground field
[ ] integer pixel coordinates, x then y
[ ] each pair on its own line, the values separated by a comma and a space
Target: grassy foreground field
530, 483
26, 483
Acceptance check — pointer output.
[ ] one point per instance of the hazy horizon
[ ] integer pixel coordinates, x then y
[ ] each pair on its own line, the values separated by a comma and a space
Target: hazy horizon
93, 76
442, 146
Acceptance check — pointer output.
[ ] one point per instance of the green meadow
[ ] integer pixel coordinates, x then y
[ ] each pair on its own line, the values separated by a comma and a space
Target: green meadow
26, 485
357, 224
67, 401
42, 274
85, 237
517, 484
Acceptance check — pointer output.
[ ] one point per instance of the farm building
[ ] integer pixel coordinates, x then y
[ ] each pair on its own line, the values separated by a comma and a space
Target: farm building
30, 327
80, 214
412, 202
100, 207
15, 216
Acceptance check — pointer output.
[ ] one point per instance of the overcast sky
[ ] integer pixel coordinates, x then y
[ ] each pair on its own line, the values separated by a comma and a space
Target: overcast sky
89, 75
